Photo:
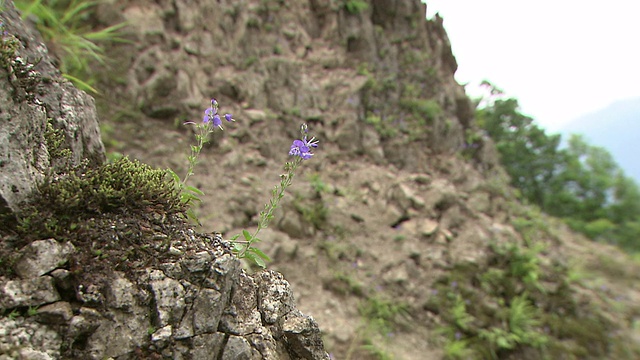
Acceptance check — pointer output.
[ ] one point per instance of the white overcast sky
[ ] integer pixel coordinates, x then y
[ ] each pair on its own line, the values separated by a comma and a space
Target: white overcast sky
561, 59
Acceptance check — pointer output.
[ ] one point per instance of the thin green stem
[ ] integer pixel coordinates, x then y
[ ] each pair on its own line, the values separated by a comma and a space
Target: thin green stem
202, 137
277, 194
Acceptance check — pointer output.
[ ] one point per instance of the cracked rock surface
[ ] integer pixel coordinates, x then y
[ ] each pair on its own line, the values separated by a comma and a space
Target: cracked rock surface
201, 305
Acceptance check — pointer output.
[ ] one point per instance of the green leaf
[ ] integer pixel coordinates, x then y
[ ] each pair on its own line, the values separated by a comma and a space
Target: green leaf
192, 216
247, 235
175, 176
238, 247
82, 85
256, 259
194, 190
260, 253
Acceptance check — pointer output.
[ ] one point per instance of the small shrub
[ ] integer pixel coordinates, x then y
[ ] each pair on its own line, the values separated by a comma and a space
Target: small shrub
355, 6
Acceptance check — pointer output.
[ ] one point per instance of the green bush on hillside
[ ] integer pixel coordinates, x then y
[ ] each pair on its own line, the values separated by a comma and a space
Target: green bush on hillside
581, 183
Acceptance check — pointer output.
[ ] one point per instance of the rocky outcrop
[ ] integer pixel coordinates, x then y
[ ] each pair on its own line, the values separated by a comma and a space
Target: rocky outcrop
32, 94
407, 217
187, 299
379, 80
200, 305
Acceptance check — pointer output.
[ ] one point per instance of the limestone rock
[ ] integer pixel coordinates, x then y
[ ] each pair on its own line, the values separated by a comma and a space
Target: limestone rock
275, 298
242, 317
23, 338
30, 292
169, 297
32, 93
303, 335
41, 257
237, 348
56, 313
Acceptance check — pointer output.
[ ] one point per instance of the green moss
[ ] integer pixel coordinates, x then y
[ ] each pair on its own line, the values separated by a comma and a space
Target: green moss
8, 47
124, 186
56, 143
25, 78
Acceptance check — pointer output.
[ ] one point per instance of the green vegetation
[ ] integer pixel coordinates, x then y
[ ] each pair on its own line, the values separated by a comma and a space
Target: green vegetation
122, 186
355, 6
581, 183
382, 315
109, 212
311, 205
24, 78
8, 46
402, 106
70, 195
381, 318
65, 26
514, 305
32, 311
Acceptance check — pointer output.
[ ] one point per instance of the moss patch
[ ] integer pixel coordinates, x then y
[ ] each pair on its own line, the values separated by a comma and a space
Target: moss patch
121, 215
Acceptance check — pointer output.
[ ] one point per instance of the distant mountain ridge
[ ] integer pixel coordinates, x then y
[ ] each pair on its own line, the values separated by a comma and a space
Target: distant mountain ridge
616, 128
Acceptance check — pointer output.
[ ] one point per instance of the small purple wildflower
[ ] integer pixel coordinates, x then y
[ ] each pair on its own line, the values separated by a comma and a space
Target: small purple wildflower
298, 148
217, 121
302, 148
311, 142
211, 115
208, 115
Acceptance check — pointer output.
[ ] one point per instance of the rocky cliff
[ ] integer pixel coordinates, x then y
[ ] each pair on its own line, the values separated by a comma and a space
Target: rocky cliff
96, 261
401, 235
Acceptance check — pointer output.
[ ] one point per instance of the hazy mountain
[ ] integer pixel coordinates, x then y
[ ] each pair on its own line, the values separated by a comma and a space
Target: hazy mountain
616, 128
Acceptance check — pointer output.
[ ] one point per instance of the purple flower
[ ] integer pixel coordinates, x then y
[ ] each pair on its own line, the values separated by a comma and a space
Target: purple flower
298, 148
311, 142
209, 114
217, 121
302, 148
229, 118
